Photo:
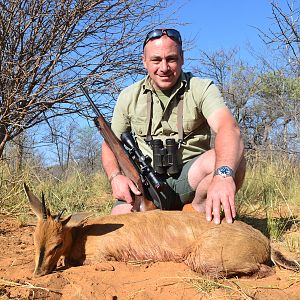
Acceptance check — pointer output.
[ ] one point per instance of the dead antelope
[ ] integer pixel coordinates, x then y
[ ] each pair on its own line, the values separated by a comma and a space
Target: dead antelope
217, 250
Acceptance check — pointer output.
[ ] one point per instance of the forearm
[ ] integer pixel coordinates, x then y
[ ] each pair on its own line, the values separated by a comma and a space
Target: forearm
122, 186
109, 161
229, 147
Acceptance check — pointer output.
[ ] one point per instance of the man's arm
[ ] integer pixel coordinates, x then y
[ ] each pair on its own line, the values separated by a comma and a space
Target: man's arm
121, 185
229, 149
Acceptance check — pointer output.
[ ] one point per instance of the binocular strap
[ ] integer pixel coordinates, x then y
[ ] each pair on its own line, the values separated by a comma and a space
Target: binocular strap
179, 115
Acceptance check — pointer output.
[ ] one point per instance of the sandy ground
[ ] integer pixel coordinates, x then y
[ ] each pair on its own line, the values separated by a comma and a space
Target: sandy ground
115, 280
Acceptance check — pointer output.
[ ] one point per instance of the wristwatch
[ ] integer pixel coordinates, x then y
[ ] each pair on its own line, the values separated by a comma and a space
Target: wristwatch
224, 171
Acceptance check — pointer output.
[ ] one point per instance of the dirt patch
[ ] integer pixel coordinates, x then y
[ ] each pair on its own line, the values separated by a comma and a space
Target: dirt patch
115, 280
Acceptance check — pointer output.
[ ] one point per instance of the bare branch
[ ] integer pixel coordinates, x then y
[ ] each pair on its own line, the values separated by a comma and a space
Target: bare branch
47, 47
285, 35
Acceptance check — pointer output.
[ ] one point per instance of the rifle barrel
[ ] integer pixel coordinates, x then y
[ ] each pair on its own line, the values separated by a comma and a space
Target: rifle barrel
95, 108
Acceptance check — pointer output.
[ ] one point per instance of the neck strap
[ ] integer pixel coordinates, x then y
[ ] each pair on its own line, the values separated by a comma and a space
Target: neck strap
179, 116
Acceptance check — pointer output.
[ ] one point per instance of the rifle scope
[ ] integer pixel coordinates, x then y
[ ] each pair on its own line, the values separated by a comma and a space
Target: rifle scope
144, 161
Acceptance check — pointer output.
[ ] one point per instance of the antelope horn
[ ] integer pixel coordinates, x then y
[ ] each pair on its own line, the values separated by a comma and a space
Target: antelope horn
60, 214
44, 209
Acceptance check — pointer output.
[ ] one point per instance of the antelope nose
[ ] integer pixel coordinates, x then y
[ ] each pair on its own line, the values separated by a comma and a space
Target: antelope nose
37, 274
40, 272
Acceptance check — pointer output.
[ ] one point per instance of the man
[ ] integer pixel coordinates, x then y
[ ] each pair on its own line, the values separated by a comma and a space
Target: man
209, 178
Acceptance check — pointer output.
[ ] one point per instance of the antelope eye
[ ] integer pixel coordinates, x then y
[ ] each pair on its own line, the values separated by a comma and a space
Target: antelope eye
58, 246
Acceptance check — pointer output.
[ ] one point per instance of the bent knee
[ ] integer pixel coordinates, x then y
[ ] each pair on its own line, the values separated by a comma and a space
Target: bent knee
202, 167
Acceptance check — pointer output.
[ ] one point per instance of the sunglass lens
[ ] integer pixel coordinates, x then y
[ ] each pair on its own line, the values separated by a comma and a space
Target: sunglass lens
174, 34
157, 33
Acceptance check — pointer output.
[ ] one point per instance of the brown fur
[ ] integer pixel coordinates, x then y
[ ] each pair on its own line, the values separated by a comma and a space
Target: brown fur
217, 250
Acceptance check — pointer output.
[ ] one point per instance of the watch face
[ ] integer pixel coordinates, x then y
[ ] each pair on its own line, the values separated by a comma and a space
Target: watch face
224, 171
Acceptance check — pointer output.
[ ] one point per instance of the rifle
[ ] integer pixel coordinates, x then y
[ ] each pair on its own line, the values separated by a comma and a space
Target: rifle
129, 169
156, 187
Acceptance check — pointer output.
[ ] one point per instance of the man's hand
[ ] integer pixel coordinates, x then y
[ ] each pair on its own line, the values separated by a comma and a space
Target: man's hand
221, 192
122, 188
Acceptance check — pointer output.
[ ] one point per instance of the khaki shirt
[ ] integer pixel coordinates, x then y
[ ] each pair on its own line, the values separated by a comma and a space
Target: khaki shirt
201, 98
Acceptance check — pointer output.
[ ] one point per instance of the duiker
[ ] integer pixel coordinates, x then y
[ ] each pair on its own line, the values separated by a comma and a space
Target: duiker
223, 250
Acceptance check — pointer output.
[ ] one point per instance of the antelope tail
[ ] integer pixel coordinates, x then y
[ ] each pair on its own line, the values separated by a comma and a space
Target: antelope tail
279, 260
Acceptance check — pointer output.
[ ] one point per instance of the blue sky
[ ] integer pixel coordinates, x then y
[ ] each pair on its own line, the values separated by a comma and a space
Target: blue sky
225, 23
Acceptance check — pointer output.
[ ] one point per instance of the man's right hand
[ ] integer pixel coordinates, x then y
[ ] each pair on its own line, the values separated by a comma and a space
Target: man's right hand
123, 187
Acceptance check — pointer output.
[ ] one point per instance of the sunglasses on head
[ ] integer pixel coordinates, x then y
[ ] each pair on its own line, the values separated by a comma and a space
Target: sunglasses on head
158, 33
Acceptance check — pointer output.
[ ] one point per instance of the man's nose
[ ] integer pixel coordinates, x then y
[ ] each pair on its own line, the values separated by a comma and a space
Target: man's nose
164, 65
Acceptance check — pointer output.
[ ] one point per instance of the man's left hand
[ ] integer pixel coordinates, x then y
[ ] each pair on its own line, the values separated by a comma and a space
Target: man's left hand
221, 193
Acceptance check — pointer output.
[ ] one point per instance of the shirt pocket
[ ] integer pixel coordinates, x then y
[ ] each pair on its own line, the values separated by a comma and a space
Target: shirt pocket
139, 125
192, 124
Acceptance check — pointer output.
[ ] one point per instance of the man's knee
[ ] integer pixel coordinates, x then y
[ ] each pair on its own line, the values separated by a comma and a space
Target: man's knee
202, 167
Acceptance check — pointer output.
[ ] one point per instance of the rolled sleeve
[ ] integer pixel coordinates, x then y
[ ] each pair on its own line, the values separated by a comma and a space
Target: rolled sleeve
212, 100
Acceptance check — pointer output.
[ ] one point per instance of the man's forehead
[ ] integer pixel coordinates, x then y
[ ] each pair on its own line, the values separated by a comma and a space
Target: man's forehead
163, 42
159, 47
163, 54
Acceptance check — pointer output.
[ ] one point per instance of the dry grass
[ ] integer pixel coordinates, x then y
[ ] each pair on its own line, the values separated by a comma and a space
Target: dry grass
229, 287
75, 191
270, 194
28, 285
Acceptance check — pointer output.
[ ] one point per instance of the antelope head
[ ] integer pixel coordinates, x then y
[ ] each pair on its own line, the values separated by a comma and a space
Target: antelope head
52, 236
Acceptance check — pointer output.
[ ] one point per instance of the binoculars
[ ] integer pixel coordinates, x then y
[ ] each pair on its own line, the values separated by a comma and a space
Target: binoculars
165, 159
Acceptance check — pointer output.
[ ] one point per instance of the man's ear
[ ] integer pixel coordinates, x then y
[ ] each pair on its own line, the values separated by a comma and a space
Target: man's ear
182, 56
144, 60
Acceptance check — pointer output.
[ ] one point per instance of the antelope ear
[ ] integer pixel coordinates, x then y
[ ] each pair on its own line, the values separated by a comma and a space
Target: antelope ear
77, 219
35, 203
66, 220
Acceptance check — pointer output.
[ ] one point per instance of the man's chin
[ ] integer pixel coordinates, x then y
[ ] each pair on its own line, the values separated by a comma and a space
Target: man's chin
166, 85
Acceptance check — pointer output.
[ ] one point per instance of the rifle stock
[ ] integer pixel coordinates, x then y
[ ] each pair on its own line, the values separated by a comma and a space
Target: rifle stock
141, 203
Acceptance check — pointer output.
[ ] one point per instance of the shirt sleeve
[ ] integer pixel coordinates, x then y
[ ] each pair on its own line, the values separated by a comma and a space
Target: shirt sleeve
120, 120
212, 99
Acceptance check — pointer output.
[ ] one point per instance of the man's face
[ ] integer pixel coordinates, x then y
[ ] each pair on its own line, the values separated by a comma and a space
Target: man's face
163, 60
